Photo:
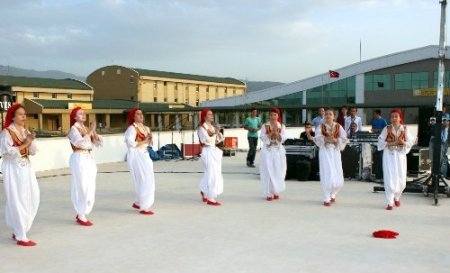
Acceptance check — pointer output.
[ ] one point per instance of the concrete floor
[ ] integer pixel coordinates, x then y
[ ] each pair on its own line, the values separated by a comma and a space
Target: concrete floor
246, 234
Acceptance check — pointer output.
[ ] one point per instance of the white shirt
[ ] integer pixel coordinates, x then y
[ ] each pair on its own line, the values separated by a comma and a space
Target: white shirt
349, 120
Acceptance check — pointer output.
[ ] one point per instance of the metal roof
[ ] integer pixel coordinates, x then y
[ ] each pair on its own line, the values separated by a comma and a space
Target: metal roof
408, 56
44, 83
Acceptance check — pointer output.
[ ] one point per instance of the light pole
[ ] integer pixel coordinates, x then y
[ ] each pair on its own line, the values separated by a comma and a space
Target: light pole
436, 172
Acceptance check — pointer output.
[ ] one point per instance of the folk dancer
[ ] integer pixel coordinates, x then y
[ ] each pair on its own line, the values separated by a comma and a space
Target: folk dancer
211, 184
273, 156
138, 137
19, 178
395, 141
331, 140
82, 165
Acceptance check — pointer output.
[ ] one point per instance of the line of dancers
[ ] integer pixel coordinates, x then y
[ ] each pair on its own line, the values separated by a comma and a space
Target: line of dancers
22, 190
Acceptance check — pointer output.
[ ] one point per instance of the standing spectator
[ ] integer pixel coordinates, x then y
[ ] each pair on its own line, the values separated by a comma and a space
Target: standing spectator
378, 122
353, 118
252, 125
319, 119
342, 116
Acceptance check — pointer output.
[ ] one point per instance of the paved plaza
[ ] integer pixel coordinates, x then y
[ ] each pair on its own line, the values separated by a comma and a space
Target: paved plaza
245, 235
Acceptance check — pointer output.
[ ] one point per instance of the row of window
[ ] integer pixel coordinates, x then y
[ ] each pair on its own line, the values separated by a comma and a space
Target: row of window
54, 95
403, 81
197, 87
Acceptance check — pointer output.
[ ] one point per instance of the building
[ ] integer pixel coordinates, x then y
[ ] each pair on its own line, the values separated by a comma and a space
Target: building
151, 86
31, 91
405, 79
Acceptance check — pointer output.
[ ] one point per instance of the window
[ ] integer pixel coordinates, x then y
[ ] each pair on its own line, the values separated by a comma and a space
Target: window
415, 80
69, 96
376, 82
119, 71
197, 102
155, 85
132, 98
35, 95
176, 100
155, 99
165, 83
217, 89
165, 99
176, 86
207, 89
197, 88
53, 95
131, 79
103, 73
446, 79
234, 91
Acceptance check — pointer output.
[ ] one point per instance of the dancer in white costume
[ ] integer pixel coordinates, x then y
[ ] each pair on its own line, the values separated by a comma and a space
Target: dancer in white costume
19, 178
395, 141
82, 165
331, 139
273, 156
211, 184
138, 137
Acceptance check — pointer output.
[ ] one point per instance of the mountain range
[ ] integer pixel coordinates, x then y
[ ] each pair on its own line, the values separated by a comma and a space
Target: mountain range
56, 74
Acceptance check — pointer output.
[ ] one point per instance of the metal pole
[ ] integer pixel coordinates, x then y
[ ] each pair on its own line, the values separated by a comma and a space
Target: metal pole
436, 172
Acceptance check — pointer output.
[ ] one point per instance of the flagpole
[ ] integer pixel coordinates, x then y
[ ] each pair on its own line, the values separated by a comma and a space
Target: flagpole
360, 50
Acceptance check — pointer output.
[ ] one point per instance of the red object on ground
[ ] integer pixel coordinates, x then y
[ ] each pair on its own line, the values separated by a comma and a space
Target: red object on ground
385, 234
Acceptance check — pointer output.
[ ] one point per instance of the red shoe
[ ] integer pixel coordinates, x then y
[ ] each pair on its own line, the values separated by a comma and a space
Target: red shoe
212, 203
204, 199
389, 207
326, 204
14, 237
397, 203
333, 200
269, 198
84, 223
146, 212
276, 197
134, 206
23, 243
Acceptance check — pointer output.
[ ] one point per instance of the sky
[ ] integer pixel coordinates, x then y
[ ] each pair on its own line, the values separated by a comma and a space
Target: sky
255, 40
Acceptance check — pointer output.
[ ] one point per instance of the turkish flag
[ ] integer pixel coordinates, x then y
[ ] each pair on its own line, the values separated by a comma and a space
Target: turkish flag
333, 74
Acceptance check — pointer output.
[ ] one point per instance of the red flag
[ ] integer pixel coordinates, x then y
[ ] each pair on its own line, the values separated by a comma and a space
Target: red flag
333, 74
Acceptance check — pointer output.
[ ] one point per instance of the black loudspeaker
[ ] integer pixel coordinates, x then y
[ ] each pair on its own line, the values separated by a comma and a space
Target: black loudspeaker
302, 168
424, 130
418, 160
377, 165
350, 161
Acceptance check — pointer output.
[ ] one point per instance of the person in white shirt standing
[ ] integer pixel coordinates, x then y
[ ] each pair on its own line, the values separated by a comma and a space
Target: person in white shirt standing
138, 137
319, 119
82, 165
211, 184
19, 178
353, 118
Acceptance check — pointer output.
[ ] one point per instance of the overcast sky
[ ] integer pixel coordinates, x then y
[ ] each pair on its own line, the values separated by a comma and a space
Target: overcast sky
274, 40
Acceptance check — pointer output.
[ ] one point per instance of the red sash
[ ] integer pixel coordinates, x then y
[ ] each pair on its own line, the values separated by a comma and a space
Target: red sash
17, 142
82, 133
335, 132
391, 137
140, 136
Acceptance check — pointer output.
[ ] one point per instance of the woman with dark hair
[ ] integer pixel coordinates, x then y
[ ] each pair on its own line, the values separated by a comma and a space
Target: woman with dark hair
211, 184
82, 165
138, 137
395, 141
19, 178
331, 139
273, 156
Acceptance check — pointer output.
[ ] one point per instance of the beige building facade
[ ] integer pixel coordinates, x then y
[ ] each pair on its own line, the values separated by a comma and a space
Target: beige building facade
151, 86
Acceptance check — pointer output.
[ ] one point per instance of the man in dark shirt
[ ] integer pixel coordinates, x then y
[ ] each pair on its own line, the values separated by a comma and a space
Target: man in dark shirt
308, 129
